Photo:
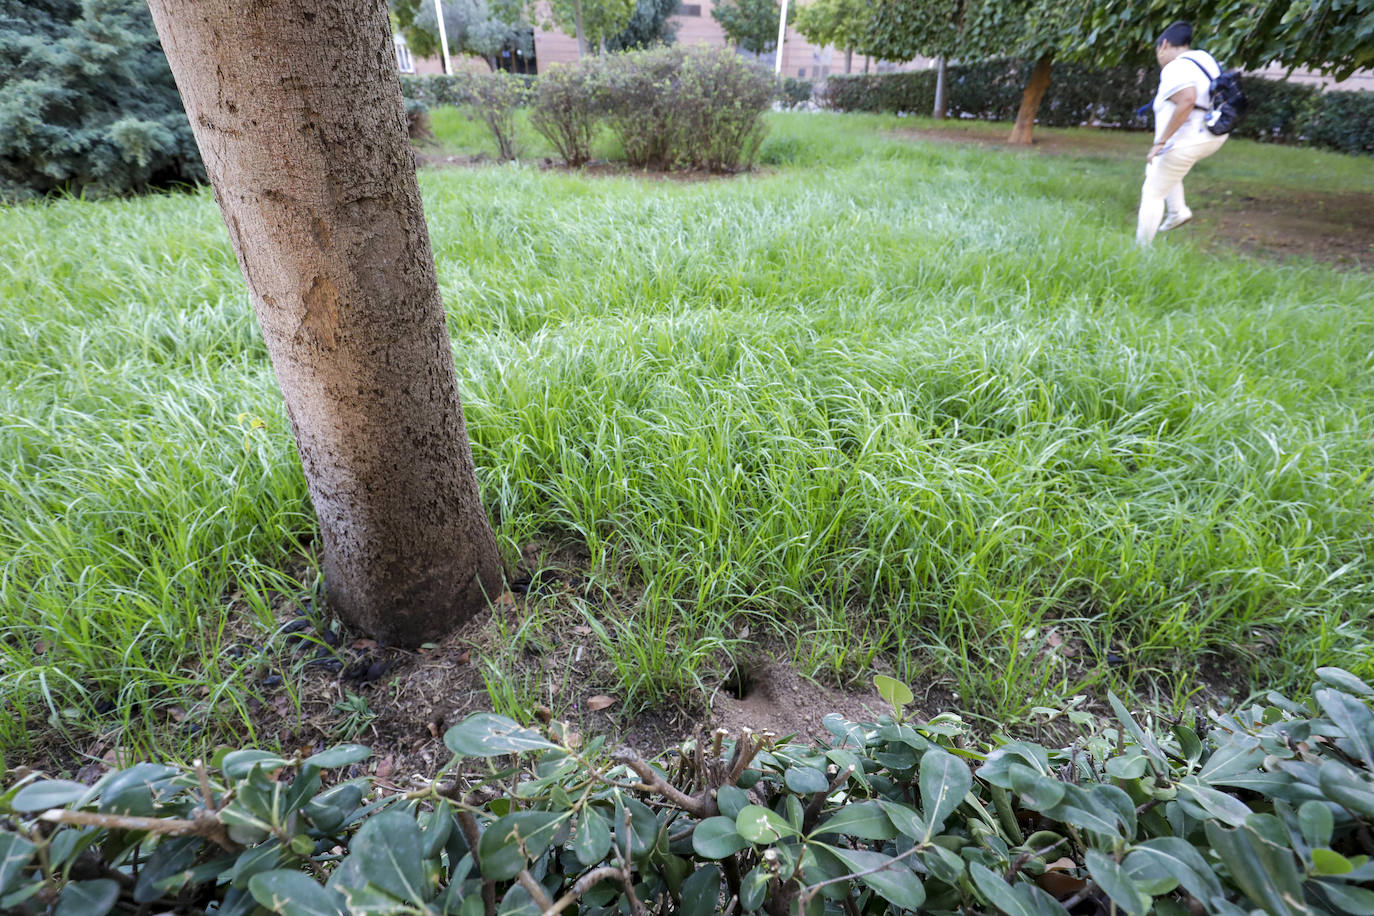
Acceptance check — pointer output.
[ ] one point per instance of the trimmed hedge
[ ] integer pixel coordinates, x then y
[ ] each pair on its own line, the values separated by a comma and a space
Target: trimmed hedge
1279, 111
1269, 807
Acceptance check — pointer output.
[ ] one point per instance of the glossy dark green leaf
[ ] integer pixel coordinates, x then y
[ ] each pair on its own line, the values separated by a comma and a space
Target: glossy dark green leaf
87, 898
1127, 766
509, 845
165, 869
701, 892
331, 809
1268, 875
1241, 754
490, 735
894, 881
1354, 901
904, 818
15, 855
806, 780
945, 780
645, 834
1038, 791
731, 800
1212, 803
716, 838
592, 839
293, 893
866, 820
999, 893
761, 825
1316, 823
1342, 786
1344, 680
1354, 718
238, 764
1155, 859
1117, 884
388, 847
254, 861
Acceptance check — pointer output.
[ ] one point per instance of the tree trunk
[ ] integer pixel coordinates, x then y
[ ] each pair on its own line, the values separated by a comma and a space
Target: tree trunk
581, 32
1030, 101
941, 88
296, 107
848, 59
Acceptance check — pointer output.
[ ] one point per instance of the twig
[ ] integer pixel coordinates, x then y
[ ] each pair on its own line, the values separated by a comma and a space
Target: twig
813, 807
743, 759
1025, 857
204, 779
636, 908
699, 807
468, 824
207, 826
535, 889
1079, 897
584, 884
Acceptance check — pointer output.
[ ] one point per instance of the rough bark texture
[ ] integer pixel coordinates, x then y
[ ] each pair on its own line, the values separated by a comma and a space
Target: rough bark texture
1030, 101
297, 110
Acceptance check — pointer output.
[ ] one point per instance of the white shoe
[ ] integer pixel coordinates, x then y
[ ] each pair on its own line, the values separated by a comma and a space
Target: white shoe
1174, 220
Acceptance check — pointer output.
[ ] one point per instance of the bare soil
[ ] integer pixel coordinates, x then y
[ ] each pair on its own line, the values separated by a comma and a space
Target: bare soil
1333, 228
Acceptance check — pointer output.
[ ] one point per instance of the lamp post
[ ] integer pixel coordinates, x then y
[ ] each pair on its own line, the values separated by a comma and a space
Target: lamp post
782, 36
443, 36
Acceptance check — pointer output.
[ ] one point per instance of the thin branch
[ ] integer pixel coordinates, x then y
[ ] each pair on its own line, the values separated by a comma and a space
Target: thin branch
206, 826
535, 889
584, 884
700, 808
813, 807
468, 824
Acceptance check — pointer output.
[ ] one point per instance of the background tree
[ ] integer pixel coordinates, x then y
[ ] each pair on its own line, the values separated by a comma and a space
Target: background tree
480, 28
650, 24
593, 22
87, 101
422, 42
751, 25
300, 122
835, 23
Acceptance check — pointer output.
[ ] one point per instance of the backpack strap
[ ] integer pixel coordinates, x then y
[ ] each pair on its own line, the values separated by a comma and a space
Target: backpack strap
1197, 63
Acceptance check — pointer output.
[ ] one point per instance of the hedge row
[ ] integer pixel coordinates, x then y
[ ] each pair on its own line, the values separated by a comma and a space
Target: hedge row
1279, 111
669, 107
1268, 809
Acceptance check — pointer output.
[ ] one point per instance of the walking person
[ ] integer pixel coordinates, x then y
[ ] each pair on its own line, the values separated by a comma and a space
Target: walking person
1181, 135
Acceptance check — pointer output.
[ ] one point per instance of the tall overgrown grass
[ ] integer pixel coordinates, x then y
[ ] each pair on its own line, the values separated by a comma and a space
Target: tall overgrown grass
911, 406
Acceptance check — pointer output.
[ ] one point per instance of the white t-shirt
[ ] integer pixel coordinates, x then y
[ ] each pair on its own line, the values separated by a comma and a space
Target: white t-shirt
1180, 73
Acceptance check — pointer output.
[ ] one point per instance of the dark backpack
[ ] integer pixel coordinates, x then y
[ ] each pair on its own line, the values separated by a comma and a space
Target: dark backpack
1228, 101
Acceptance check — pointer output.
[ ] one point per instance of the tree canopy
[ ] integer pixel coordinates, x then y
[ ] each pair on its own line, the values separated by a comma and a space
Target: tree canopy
751, 24
839, 23
481, 28
650, 24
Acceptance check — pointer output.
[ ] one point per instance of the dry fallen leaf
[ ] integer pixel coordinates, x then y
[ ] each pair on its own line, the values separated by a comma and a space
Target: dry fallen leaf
385, 767
1060, 885
1064, 864
582, 630
176, 714
1054, 639
505, 600
600, 701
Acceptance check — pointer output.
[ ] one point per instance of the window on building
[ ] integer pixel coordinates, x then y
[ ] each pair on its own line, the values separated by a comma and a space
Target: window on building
689, 9
404, 62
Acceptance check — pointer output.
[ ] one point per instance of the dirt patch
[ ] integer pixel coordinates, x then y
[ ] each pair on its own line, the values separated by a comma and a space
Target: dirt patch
1333, 228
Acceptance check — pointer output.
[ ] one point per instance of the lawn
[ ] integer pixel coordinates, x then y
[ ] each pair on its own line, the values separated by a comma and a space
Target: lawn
888, 404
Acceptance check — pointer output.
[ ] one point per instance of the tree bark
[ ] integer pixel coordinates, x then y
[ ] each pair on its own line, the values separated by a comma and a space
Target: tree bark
581, 32
1030, 101
941, 88
848, 60
296, 107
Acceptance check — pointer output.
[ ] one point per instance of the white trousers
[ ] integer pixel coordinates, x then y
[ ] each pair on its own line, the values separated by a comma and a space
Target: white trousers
1164, 184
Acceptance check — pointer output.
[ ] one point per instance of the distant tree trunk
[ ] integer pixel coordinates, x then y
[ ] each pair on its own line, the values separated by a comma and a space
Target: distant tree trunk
296, 107
866, 60
581, 32
848, 59
1030, 101
941, 88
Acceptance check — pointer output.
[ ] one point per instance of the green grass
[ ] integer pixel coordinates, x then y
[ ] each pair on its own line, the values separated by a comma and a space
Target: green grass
910, 405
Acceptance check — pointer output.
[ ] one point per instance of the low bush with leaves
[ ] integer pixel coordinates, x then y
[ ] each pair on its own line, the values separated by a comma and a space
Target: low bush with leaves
566, 105
1265, 810
795, 92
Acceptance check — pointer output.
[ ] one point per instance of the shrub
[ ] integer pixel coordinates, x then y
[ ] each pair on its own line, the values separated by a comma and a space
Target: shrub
638, 90
1267, 808
417, 121
87, 101
493, 98
1341, 121
565, 107
1276, 109
795, 92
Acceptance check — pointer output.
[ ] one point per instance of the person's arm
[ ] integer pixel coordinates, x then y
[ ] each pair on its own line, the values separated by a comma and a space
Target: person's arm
1183, 100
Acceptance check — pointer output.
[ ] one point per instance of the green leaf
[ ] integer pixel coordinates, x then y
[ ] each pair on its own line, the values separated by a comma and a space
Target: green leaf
1226, 808
292, 893
330, 810
1038, 791
758, 824
508, 845
1241, 755
238, 764
894, 691
1138, 734
592, 839
1352, 717
806, 780
1342, 786
254, 861
1176, 858
731, 800
388, 848
1316, 823
753, 887
490, 735
1116, 884
339, 756
904, 818
894, 881
1344, 680
1267, 874
49, 793
15, 855
1329, 862
999, 893
866, 820
1127, 766
945, 780
716, 838
87, 898
1355, 901
701, 892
